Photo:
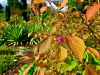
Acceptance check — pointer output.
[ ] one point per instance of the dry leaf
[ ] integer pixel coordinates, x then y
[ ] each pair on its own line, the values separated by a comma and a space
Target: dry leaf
77, 46
45, 65
74, 33
95, 52
89, 71
50, 73
38, 1
61, 54
25, 58
39, 72
44, 45
58, 4
60, 15
92, 11
30, 33
79, 1
42, 9
63, 3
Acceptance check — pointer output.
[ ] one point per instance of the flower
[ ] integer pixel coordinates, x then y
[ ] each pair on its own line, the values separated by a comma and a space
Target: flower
61, 39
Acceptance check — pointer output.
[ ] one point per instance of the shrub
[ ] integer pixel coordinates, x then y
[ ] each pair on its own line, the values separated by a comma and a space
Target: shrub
15, 35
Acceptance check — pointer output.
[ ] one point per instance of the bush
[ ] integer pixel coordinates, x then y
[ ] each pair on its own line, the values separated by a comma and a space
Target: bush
16, 35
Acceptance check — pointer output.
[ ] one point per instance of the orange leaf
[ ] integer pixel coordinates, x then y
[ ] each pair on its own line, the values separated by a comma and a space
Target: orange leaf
63, 3
79, 1
95, 52
60, 15
89, 71
61, 54
77, 46
38, 1
25, 58
92, 11
44, 45
42, 9
45, 65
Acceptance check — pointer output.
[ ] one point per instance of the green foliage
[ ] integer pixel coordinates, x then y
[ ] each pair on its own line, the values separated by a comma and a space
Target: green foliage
6, 62
15, 35
13, 3
31, 71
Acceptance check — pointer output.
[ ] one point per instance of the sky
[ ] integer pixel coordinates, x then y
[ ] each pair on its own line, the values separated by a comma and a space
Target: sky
3, 2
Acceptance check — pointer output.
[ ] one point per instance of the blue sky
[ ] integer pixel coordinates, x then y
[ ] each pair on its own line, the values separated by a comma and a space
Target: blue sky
3, 2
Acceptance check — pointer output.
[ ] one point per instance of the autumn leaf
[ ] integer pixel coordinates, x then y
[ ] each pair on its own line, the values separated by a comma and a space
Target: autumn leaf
50, 73
77, 46
95, 52
61, 54
79, 1
38, 1
45, 65
44, 45
25, 58
63, 3
60, 15
91, 11
42, 9
39, 72
89, 71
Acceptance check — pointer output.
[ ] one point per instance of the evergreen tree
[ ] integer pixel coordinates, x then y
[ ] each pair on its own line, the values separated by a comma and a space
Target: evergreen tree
25, 10
1, 8
13, 4
7, 13
23, 4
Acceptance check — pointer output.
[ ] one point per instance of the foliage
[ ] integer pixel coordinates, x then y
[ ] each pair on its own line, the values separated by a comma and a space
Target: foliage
69, 42
14, 35
7, 58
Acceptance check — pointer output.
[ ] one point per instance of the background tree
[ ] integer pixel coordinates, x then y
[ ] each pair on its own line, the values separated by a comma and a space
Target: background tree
25, 10
7, 13
1, 8
13, 4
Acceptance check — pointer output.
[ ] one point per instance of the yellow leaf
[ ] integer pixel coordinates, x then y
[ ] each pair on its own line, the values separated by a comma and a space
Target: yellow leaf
77, 46
85, 36
95, 52
61, 54
91, 11
44, 45
89, 71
